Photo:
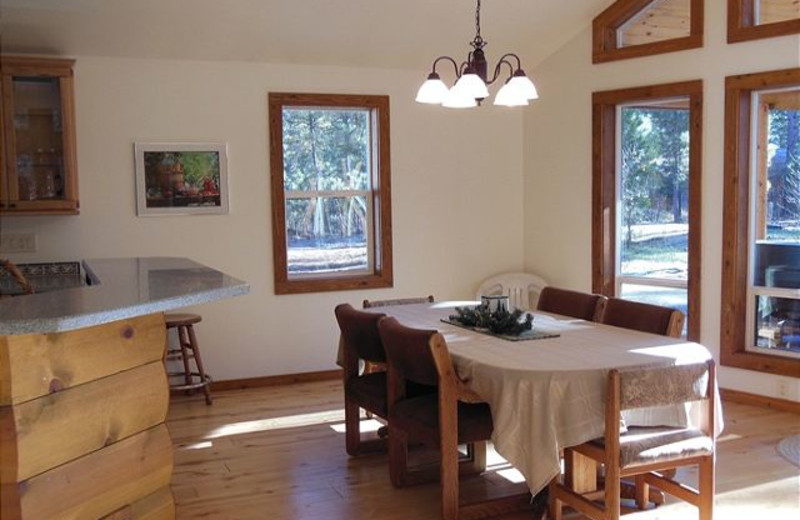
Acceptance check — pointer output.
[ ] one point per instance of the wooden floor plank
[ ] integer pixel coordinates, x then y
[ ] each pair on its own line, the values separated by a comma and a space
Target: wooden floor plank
274, 453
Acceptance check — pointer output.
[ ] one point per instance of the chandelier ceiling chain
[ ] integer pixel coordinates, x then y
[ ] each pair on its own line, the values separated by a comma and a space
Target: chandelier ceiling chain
472, 78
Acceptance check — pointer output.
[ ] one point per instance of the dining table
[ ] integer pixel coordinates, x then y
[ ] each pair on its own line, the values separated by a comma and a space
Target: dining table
548, 394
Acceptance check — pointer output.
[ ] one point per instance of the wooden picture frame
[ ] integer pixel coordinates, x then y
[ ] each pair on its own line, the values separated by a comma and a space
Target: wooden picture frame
181, 178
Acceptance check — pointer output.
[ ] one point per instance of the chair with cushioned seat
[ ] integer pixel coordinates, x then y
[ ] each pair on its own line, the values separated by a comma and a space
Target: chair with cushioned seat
455, 415
359, 340
643, 317
646, 453
576, 304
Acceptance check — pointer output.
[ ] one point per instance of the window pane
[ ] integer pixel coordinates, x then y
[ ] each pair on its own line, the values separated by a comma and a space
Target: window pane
326, 149
659, 21
327, 235
778, 323
773, 11
654, 191
674, 297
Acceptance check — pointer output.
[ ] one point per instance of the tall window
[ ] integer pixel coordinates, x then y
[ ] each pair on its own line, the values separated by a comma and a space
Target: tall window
761, 274
330, 192
647, 196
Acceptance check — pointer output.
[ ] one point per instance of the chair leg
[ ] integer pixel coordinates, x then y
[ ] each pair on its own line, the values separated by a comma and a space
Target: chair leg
183, 341
476, 451
642, 492
706, 488
199, 362
449, 477
553, 504
612, 485
398, 457
352, 429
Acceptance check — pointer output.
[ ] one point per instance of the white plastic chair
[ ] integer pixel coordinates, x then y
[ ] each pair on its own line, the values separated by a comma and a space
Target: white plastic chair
522, 289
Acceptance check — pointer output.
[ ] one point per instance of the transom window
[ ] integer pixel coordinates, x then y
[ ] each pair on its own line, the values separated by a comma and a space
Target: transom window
331, 192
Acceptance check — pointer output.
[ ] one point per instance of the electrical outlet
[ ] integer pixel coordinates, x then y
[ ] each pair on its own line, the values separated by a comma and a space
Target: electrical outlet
18, 242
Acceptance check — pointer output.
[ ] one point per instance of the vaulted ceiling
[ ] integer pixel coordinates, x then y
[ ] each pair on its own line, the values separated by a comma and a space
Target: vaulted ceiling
370, 33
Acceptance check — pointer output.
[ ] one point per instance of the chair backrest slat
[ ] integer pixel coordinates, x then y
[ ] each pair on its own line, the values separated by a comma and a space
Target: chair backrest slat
576, 304
662, 386
368, 304
360, 332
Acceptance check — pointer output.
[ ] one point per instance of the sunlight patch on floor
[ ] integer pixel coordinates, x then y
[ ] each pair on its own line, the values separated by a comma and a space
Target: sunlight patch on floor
368, 425
276, 423
196, 446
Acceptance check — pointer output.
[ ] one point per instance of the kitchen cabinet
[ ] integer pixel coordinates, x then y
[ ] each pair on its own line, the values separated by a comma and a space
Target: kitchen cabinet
38, 171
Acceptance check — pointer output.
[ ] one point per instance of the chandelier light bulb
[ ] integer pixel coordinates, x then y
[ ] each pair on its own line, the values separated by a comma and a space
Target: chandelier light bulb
472, 85
433, 91
521, 83
459, 99
509, 96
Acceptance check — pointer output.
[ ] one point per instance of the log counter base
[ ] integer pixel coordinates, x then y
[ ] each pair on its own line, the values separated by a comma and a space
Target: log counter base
82, 432
84, 394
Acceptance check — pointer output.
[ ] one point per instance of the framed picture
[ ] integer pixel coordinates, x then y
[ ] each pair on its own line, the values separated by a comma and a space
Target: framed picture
181, 178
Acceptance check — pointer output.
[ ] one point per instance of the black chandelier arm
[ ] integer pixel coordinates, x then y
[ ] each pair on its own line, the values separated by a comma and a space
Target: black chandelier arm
446, 58
500, 63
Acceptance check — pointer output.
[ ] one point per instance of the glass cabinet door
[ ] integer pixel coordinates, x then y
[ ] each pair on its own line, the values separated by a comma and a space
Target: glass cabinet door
38, 139
39, 153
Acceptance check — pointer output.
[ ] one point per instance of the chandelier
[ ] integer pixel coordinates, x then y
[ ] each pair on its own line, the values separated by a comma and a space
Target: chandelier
472, 79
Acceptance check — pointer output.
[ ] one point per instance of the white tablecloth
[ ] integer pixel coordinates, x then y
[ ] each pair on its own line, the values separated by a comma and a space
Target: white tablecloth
548, 394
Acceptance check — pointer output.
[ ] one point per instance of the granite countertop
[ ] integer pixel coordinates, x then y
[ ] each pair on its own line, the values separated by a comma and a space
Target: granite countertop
118, 288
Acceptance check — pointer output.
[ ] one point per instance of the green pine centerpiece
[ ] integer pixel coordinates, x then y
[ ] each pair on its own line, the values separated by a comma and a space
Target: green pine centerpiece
500, 321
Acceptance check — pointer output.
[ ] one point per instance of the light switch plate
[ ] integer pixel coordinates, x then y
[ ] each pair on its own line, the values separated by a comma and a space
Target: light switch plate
18, 242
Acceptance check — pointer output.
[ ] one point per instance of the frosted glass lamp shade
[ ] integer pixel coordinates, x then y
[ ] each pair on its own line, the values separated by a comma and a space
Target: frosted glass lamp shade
508, 96
521, 83
433, 91
458, 99
472, 85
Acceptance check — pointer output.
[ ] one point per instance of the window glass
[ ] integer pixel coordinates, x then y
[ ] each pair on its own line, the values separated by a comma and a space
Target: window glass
775, 306
774, 11
331, 192
661, 20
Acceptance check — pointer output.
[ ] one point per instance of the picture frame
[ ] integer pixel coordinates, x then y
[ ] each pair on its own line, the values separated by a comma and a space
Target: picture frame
181, 178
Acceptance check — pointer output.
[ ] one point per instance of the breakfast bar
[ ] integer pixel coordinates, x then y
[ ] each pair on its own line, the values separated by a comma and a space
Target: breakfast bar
84, 394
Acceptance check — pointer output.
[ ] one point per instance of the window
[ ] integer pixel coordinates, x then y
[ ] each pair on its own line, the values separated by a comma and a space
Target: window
761, 235
646, 196
633, 28
754, 19
331, 192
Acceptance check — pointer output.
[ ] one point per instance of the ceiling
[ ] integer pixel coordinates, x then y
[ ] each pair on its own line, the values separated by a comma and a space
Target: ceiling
363, 33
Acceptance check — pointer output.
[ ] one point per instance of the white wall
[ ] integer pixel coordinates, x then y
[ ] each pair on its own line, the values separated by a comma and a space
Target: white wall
456, 178
557, 160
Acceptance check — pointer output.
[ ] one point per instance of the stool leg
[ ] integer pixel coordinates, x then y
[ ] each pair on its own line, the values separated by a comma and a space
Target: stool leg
199, 362
183, 341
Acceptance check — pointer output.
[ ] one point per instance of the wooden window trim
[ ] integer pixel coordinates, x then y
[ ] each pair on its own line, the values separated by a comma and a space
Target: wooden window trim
604, 115
735, 232
381, 193
742, 25
606, 24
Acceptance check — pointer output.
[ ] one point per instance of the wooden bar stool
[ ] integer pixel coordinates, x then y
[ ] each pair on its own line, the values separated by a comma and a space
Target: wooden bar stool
187, 380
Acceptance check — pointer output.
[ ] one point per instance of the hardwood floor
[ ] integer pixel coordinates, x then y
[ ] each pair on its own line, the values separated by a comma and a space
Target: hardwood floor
278, 453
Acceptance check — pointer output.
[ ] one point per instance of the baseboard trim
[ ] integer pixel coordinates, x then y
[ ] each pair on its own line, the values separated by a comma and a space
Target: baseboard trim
776, 403
279, 380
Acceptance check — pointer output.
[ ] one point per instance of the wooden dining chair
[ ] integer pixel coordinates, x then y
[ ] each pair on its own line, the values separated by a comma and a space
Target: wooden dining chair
368, 304
576, 304
644, 317
646, 453
455, 415
360, 340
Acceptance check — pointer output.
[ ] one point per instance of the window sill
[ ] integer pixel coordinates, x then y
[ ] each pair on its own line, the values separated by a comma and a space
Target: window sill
343, 283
